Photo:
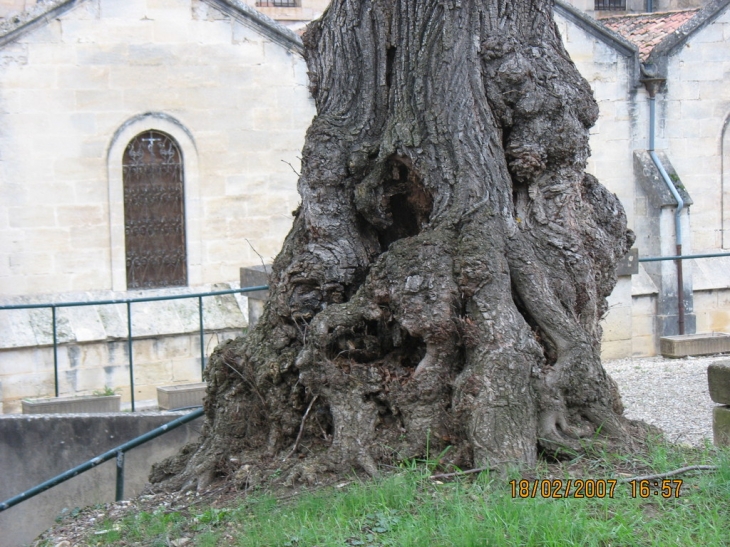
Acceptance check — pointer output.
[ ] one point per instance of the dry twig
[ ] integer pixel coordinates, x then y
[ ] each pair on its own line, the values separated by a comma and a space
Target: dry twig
672, 473
301, 428
459, 473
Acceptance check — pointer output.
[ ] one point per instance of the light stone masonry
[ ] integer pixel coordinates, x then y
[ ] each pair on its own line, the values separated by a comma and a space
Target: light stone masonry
67, 86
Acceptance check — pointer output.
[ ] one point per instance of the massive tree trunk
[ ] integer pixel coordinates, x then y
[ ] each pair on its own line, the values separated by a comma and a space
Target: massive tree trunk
446, 273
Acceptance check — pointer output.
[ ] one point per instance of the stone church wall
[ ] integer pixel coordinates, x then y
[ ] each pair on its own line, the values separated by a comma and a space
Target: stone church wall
692, 114
610, 75
237, 103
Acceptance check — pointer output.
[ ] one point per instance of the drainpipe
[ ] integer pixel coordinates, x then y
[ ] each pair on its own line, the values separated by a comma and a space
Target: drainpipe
649, 6
652, 84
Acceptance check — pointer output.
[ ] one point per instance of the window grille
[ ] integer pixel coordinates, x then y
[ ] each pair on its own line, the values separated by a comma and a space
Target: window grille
154, 212
611, 5
277, 3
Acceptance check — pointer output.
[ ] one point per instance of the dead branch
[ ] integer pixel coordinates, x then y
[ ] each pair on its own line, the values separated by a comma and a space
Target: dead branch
459, 473
672, 473
301, 428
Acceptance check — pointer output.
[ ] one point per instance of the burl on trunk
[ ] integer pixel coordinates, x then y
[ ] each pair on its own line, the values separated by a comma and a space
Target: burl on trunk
446, 273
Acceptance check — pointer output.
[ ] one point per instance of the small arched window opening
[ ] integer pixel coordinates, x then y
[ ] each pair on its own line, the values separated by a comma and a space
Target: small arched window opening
154, 212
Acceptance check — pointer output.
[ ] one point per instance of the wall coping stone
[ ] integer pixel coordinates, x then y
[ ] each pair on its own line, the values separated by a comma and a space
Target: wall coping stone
84, 324
612, 39
650, 179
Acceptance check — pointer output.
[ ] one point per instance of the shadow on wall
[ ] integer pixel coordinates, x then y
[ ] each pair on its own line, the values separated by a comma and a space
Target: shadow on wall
36, 448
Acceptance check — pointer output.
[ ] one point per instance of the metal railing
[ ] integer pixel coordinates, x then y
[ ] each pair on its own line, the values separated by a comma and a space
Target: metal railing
117, 453
128, 302
681, 257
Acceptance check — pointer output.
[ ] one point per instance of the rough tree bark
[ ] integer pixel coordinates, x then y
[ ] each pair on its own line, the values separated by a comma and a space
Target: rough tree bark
446, 273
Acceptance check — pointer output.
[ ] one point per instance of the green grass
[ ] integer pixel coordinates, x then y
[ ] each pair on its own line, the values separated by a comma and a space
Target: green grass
407, 508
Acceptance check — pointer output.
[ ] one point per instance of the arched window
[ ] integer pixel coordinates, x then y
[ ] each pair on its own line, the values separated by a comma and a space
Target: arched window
154, 212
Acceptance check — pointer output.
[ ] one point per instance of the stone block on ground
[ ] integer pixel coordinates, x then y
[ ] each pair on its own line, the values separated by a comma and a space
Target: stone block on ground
180, 396
721, 425
694, 344
72, 405
718, 379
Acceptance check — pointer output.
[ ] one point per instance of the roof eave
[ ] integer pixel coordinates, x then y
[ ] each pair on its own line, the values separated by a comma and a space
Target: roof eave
604, 34
671, 44
258, 21
31, 20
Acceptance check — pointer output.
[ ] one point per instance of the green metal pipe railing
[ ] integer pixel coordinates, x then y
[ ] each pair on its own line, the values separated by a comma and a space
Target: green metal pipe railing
117, 453
128, 302
681, 257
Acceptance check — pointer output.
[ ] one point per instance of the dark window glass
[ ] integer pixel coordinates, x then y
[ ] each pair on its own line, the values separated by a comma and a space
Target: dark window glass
154, 212
277, 3
608, 5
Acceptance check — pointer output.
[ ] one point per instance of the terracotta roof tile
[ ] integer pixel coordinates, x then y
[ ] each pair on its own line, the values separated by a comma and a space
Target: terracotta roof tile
646, 30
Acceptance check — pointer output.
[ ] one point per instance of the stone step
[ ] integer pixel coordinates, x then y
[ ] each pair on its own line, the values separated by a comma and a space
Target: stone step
721, 425
718, 380
684, 345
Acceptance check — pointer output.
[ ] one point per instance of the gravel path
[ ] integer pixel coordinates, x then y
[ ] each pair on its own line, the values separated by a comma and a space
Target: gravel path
671, 394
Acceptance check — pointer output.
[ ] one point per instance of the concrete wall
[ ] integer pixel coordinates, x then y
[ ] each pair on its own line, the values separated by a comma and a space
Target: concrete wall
34, 449
73, 92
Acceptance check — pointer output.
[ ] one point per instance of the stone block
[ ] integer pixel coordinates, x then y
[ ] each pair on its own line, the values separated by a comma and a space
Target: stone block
721, 425
167, 347
99, 99
152, 374
617, 324
154, 99
718, 380
217, 32
255, 276
38, 216
30, 263
702, 71
652, 182
180, 396
72, 405
643, 346
102, 54
165, 32
187, 369
81, 215
694, 344
617, 349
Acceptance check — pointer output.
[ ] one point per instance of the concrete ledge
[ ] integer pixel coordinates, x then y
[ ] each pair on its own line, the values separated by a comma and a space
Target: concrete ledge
718, 379
34, 449
694, 344
180, 396
721, 425
73, 405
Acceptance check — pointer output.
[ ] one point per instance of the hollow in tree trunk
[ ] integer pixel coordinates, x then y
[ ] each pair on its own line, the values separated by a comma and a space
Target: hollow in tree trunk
446, 273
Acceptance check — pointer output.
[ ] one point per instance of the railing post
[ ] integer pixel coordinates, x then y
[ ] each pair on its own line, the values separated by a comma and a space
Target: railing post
202, 335
120, 476
129, 350
55, 350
